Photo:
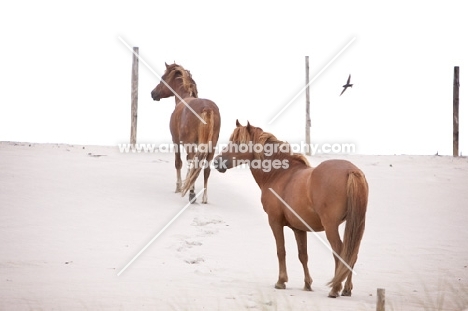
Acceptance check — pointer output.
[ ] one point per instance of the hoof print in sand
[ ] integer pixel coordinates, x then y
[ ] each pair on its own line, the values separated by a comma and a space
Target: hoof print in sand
203, 222
194, 261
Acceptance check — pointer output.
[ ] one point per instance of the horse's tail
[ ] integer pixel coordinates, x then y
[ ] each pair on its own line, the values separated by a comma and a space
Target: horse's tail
357, 193
205, 141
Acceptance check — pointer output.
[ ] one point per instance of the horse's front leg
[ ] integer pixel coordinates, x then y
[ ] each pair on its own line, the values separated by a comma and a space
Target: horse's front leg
278, 232
178, 166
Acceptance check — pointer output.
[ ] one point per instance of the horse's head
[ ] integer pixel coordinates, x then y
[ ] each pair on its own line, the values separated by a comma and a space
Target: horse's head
175, 79
241, 148
162, 90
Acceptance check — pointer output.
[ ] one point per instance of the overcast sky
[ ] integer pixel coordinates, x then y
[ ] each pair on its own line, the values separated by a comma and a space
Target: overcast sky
65, 74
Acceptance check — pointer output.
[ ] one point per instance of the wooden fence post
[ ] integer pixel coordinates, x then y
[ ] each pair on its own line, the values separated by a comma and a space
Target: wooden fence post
380, 299
308, 122
456, 87
134, 113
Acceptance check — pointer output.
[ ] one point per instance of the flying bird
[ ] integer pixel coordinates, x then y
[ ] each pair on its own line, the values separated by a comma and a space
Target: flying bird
347, 85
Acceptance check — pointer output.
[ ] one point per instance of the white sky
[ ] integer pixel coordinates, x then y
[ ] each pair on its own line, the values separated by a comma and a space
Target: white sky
65, 74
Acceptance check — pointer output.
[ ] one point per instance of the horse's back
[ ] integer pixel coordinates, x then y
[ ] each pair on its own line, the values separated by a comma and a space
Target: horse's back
334, 170
328, 184
201, 104
185, 120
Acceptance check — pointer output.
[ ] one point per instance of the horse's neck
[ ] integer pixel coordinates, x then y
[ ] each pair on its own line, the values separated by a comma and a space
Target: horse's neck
259, 176
275, 168
178, 100
182, 97
262, 175
182, 92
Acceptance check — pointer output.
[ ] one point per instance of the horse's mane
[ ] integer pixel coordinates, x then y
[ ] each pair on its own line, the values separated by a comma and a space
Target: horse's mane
175, 71
246, 134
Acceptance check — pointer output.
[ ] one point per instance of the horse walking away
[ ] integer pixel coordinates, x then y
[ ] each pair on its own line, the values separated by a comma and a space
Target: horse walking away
195, 125
322, 197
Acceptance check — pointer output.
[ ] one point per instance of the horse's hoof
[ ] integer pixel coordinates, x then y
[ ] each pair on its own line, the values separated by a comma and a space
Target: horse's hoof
192, 198
280, 286
333, 295
346, 293
308, 288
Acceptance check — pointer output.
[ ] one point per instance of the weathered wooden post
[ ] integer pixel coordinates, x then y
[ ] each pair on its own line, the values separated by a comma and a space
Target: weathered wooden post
134, 113
308, 123
456, 87
380, 299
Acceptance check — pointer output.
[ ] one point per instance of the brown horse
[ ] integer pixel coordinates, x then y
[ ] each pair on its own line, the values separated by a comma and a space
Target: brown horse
296, 195
195, 124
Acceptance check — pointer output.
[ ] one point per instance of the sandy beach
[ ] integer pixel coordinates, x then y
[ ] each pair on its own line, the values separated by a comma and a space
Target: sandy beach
73, 216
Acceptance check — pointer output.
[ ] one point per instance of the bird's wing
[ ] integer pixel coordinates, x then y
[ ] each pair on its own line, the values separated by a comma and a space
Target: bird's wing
344, 89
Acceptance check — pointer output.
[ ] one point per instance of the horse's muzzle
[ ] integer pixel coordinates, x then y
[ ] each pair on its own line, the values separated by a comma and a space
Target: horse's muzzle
155, 95
219, 164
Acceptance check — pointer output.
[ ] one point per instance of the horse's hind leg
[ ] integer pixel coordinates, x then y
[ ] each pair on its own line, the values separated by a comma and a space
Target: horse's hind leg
278, 232
348, 284
206, 175
192, 196
301, 239
348, 287
335, 241
178, 166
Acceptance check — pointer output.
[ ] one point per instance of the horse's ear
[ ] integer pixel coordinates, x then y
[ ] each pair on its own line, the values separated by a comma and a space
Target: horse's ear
167, 66
248, 126
237, 123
